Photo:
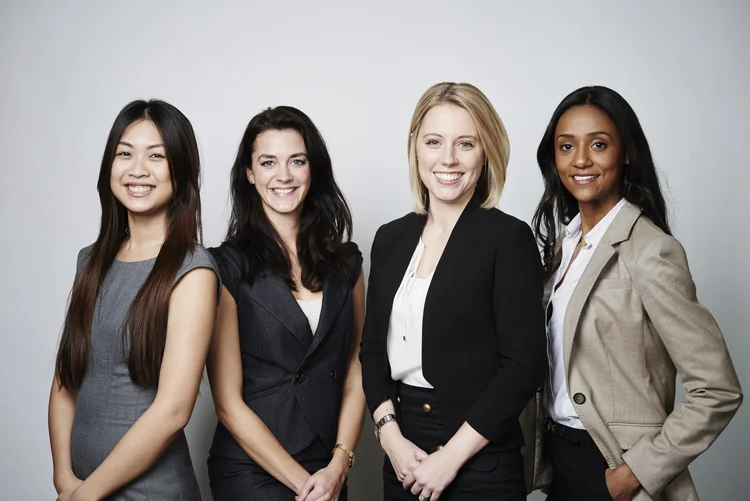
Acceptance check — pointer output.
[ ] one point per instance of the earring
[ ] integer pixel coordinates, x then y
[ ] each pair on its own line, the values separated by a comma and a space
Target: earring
252, 181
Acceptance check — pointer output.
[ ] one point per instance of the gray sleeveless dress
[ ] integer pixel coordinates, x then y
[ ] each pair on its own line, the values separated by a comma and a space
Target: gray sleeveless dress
108, 403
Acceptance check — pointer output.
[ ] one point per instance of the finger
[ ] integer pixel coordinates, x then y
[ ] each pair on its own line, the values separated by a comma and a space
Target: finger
408, 481
425, 494
304, 493
416, 488
435, 496
421, 454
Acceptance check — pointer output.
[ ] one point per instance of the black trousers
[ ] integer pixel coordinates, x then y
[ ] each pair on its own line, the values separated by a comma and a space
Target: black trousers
494, 474
244, 480
577, 465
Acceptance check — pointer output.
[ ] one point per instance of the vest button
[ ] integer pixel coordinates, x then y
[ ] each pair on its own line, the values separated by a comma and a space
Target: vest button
579, 398
300, 377
335, 374
427, 408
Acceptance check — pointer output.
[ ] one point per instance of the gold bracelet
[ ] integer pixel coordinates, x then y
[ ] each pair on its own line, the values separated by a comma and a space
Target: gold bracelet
346, 450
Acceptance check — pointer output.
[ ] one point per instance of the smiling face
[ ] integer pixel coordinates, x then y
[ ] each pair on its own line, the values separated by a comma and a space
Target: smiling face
449, 154
140, 177
590, 157
280, 172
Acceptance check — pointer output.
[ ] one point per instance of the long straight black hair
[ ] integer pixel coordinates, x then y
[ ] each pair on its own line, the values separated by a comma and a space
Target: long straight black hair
325, 223
147, 317
639, 184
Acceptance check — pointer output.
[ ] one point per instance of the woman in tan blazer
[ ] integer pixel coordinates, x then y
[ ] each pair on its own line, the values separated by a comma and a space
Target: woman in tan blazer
622, 318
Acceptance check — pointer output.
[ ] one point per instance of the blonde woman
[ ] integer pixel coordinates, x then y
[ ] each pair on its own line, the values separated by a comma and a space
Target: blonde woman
454, 339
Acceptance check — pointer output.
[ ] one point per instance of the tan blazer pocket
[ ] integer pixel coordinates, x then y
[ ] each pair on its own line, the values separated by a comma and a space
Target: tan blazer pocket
628, 434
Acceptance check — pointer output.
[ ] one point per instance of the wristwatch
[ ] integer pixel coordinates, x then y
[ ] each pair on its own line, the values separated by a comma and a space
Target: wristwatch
385, 419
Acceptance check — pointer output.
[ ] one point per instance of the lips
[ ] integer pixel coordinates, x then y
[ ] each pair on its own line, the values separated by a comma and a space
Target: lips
283, 192
139, 190
448, 178
584, 179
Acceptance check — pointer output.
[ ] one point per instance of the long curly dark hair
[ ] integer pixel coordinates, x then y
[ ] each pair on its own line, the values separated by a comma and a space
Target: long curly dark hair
326, 221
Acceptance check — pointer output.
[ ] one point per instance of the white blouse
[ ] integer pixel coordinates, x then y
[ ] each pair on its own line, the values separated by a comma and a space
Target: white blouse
405, 328
311, 309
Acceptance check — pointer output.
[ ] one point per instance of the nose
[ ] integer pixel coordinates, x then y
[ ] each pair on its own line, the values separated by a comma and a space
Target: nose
581, 158
449, 156
138, 167
283, 174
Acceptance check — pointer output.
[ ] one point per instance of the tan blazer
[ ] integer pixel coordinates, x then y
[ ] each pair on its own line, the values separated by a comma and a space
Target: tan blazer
632, 323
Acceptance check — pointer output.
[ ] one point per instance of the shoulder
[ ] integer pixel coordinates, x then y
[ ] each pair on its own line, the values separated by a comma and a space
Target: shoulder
198, 257
395, 229
652, 251
351, 251
83, 257
504, 229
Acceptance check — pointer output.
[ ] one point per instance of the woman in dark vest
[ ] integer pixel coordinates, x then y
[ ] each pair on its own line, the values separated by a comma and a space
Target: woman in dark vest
285, 377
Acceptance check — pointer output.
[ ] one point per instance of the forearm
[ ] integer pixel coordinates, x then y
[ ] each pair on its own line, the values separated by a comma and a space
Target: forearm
258, 442
351, 415
135, 453
61, 413
465, 444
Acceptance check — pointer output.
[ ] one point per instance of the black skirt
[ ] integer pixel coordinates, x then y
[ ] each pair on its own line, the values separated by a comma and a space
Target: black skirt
495, 473
233, 479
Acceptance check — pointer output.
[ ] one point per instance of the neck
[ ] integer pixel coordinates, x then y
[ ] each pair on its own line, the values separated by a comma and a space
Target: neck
287, 226
443, 216
147, 234
592, 213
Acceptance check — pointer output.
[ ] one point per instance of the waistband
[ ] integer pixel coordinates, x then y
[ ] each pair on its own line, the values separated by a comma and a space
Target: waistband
574, 436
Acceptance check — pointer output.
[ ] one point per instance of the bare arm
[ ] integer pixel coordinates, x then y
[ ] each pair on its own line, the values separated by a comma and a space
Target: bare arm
192, 308
62, 407
353, 400
250, 432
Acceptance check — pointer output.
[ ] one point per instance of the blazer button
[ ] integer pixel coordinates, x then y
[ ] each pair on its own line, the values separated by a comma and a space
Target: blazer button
579, 398
427, 408
300, 377
335, 374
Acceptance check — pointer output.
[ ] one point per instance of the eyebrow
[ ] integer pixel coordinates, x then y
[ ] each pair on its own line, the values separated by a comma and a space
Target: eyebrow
465, 136
160, 145
590, 134
296, 155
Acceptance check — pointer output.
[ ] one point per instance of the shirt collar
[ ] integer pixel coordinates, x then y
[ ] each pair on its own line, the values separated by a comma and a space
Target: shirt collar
597, 232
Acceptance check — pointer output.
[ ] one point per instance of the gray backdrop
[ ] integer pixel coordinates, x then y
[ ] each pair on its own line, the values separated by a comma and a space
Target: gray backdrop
68, 67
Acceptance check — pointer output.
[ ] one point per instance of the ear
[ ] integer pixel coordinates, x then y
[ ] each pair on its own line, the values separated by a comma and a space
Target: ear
250, 176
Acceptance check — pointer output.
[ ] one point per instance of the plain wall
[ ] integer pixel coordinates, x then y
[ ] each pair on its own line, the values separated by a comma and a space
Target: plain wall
66, 69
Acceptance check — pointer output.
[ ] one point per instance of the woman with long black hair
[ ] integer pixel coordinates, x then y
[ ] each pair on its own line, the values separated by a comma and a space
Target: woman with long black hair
284, 372
138, 326
623, 317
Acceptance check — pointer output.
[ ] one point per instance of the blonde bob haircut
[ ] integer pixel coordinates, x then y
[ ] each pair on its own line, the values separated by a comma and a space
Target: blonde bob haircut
492, 135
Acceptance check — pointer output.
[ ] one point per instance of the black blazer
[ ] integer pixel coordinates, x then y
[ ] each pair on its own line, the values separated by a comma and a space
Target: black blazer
484, 338
292, 379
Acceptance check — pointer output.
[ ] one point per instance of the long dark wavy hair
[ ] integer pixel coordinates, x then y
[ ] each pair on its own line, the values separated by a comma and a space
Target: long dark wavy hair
325, 221
147, 317
639, 184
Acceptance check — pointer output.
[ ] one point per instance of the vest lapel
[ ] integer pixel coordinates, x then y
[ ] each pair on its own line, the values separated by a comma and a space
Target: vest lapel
273, 294
334, 297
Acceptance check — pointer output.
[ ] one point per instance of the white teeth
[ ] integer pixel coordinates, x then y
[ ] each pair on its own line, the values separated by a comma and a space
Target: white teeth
283, 191
447, 177
140, 189
583, 178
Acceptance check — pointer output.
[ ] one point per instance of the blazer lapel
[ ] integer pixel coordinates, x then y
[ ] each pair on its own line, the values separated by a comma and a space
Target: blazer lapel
273, 294
334, 296
397, 262
618, 231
